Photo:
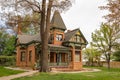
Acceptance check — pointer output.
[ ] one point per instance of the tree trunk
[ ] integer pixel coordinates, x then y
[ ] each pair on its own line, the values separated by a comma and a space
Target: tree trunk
108, 61
44, 57
42, 35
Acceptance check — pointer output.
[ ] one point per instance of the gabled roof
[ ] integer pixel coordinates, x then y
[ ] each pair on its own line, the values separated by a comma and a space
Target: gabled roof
57, 21
69, 35
24, 39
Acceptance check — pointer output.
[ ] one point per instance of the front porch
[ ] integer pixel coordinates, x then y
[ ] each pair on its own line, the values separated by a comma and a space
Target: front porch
59, 56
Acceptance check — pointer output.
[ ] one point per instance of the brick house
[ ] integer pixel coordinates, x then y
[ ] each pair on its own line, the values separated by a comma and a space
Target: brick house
64, 47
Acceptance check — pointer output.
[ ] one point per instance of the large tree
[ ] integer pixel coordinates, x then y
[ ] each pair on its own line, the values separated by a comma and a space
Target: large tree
113, 17
105, 40
7, 43
42, 7
29, 23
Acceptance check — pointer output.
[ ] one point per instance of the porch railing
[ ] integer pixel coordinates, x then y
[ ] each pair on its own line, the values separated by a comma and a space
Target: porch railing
58, 64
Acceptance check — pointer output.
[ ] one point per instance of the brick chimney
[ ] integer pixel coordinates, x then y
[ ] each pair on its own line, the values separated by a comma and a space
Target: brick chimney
68, 30
19, 29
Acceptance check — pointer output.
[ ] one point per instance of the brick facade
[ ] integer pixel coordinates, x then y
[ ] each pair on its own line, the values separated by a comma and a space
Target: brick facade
65, 47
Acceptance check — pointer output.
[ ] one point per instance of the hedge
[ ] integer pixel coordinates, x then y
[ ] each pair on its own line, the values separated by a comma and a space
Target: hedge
7, 60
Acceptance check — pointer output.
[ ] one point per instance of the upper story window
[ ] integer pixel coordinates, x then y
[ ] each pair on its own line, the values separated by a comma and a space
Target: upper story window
77, 38
51, 38
59, 37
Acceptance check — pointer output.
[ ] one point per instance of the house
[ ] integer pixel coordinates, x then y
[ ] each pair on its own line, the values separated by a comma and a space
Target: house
64, 47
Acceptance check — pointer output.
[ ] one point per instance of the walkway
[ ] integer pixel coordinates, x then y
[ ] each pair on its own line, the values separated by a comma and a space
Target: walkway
29, 72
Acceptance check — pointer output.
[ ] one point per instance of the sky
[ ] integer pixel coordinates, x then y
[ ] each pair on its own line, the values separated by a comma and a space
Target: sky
86, 15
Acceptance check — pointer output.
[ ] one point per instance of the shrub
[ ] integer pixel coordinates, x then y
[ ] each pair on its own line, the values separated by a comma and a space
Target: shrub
117, 55
7, 60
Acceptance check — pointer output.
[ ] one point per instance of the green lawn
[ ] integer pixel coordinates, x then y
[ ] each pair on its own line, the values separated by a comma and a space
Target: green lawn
6, 72
113, 74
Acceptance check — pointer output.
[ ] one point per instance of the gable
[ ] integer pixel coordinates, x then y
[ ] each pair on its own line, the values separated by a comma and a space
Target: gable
75, 36
78, 37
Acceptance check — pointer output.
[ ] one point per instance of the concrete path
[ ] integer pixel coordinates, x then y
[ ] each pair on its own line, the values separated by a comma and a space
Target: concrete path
29, 72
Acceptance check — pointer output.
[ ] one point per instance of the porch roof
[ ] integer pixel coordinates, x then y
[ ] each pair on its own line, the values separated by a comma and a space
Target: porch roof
57, 48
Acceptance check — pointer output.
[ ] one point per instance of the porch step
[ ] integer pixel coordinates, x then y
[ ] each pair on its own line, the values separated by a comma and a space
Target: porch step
60, 68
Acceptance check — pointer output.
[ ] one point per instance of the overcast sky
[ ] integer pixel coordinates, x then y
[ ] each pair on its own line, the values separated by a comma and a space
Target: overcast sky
86, 15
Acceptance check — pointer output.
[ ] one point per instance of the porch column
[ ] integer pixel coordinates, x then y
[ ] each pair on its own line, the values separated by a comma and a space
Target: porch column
69, 57
60, 56
80, 56
48, 56
73, 57
73, 54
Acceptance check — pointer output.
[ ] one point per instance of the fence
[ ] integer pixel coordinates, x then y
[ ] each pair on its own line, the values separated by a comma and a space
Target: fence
113, 64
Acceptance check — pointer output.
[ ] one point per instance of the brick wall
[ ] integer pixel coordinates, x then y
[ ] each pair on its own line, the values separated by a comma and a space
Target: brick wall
27, 62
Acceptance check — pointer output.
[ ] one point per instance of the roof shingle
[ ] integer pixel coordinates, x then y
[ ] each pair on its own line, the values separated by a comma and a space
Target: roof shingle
57, 21
24, 39
69, 34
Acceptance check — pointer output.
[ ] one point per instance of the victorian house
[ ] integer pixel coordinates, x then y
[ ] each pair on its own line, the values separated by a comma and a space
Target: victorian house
65, 46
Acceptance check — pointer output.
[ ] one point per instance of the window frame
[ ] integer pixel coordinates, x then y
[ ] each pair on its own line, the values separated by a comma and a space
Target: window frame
23, 56
59, 37
77, 38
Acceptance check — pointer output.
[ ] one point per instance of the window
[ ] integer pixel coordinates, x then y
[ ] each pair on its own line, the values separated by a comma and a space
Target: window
59, 37
30, 55
77, 56
77, 38
51, 37
22, 56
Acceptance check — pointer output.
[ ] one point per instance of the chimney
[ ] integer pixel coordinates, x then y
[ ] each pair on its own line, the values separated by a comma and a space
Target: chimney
19, 29
68, 30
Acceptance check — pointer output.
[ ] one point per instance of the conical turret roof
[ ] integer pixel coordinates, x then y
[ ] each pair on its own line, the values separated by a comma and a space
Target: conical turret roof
57, 21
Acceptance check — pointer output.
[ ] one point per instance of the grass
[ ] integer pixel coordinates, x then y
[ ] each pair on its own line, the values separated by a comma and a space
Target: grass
7, 72
105, 74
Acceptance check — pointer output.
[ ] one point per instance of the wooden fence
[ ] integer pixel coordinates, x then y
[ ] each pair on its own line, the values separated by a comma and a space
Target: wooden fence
113, 64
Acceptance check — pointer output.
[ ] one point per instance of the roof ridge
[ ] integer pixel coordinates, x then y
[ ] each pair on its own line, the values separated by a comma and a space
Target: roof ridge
73, 30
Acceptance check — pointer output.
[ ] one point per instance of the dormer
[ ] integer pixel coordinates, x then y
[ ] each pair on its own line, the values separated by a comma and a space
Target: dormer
57, 29
75, 38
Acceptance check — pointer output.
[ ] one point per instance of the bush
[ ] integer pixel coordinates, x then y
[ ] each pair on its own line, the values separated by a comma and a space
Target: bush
117, 55
7, 60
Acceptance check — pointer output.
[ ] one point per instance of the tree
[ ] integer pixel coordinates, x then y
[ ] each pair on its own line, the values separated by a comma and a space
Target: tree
105, 40
2, 39
29, 23
113, 17
117, 55
92, 55
42, 7
7, 43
